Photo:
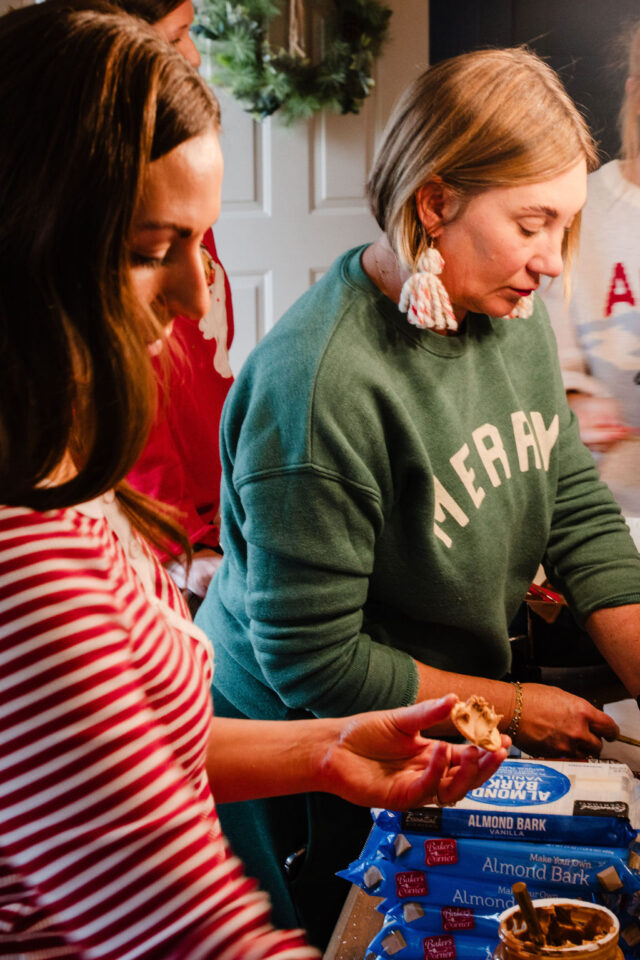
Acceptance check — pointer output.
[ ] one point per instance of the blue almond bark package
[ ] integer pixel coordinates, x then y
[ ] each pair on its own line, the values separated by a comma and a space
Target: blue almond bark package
403, 945
545, 801
415, 860
441, 867
419, 917
482, 896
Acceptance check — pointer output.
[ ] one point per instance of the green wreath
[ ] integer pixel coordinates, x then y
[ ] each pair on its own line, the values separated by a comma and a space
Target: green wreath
265, 80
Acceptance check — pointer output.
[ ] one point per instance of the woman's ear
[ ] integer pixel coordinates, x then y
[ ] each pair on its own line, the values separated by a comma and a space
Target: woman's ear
436, 204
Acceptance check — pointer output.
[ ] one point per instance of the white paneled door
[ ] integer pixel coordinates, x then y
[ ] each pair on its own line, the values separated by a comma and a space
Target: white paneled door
293, 197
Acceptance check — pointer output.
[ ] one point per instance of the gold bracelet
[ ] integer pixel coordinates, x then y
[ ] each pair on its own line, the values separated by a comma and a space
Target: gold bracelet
514, 724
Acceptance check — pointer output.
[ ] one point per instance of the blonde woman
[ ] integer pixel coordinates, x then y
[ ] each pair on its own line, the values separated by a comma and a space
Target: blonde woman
389, 495
598, 330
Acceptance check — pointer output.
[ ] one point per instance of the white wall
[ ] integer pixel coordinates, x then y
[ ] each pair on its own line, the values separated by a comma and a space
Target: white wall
293, 198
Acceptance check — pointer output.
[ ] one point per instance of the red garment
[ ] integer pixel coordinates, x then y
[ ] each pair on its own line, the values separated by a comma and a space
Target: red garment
110, 845
180, 464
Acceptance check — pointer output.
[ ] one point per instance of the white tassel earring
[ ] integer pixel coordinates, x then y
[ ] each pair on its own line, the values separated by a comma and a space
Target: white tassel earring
423, 297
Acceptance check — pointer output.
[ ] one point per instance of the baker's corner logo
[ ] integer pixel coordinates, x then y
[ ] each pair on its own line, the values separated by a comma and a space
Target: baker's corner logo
522, 785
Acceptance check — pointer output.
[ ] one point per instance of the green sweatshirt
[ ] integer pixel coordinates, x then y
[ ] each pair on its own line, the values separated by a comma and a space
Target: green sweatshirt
388, 494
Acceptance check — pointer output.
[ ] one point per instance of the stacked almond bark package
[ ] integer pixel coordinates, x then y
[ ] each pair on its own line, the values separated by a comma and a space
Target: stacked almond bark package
567, 829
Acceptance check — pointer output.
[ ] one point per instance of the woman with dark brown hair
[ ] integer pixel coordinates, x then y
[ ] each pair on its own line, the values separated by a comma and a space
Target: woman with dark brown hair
110, 846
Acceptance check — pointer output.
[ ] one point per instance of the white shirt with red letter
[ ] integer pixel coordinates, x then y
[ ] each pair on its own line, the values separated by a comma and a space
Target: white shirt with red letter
598, 332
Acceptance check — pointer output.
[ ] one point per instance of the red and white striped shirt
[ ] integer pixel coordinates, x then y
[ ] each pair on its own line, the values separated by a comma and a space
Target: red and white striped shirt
110, 846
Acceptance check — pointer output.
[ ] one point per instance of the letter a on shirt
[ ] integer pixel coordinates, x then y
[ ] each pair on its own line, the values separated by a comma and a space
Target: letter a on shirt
619, 291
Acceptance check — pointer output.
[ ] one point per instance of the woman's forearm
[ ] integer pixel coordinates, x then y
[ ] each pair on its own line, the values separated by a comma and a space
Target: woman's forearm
550, 722
266, 758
